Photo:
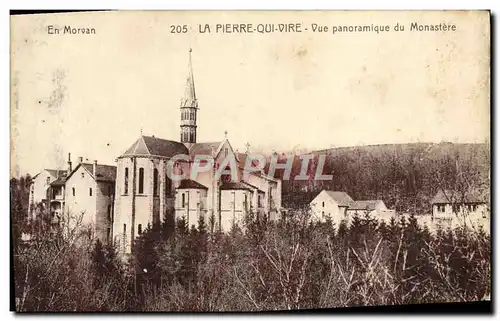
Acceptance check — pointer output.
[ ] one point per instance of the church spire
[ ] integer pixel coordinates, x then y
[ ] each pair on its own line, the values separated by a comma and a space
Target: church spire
189, 99
189, 107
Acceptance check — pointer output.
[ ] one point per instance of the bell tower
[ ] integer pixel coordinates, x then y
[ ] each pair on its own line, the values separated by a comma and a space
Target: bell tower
189, 107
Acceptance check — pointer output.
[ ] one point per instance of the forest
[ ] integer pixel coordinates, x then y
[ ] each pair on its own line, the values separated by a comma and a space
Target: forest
405, 176
259, 266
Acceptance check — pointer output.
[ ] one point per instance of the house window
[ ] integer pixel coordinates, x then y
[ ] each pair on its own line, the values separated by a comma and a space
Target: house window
259, 201
126, 181
245, 203
323, 204
441, 208
90, 191
83, 175
108, 234
48, 180
74, 192
124, 228
141, 180
139, 229
155, 182
456, 208
183, 200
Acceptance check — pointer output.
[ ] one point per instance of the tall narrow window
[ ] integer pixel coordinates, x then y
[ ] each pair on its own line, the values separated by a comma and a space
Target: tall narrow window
90, 191
139, 229
245, 202
125, 187
141, 180
124, 228
155, 182
74, 192
109, 212
168, 186
183, 200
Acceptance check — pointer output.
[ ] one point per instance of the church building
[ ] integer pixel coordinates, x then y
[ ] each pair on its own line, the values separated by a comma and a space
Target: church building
145, 193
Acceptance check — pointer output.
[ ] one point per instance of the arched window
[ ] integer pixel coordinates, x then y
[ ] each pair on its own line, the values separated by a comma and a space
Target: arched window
155, 182
141, 180
125, 187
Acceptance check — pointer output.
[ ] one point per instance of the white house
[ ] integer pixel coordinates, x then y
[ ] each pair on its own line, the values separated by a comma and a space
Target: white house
40, 187
89, 197
451, 208
330, 204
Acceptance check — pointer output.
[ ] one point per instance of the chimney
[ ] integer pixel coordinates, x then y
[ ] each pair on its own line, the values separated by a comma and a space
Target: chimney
70, 168
94, 167
80, 160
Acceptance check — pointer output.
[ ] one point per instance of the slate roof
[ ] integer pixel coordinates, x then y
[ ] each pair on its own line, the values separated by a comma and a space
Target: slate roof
369, 205
189, 183
204, 148
242, 158
342, 198
153, 146
236, 186
252, 187
53, 172
58, 182
103, 172
451, 197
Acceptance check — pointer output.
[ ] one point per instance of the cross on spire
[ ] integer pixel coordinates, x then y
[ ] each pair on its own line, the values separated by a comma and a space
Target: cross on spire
225, 134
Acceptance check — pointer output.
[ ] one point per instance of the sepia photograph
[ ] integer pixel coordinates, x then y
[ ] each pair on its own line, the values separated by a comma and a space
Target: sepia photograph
250, 161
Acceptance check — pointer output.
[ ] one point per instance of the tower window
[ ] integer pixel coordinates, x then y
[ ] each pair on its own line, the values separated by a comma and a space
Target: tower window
74, 192
323, 204
125, 187
183, 200
139, 229
124, 228
155, 182
141, 180
90, 191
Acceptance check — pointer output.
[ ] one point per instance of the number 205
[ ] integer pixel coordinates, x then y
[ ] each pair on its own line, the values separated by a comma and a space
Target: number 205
178, 28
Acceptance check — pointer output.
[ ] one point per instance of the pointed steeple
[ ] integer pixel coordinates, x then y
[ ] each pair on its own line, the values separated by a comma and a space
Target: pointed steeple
189, 107
189, 99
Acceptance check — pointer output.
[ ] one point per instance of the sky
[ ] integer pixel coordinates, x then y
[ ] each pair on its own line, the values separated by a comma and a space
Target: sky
92, 95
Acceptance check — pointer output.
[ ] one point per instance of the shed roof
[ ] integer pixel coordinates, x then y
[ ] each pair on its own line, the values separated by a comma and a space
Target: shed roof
369, 205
